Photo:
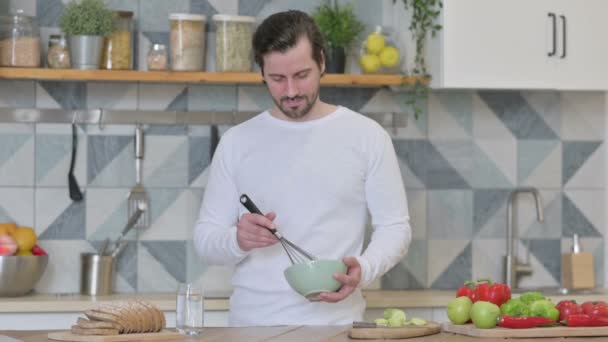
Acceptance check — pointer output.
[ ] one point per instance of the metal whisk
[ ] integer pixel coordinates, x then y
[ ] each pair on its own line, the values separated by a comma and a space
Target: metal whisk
296, 254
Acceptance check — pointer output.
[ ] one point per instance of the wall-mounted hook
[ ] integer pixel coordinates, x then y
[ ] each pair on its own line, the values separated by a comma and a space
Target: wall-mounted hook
100, 123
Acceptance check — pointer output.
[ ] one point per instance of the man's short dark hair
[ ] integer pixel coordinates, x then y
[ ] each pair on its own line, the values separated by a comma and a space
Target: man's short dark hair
281, 31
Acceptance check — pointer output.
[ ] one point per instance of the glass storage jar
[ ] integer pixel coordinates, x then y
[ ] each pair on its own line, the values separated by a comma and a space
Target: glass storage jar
233, 42
58, 54
157, 57
19, 41
118, 46
187, 41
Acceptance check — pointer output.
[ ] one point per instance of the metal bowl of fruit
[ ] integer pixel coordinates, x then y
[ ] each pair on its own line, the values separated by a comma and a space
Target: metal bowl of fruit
22, 261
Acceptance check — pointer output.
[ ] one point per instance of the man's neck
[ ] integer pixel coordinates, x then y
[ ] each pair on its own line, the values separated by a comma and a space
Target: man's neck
318, 111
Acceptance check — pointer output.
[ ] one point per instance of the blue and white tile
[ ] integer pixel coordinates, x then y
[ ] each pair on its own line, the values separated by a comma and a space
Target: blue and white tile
214, 278
17, 94
161, 265
107, 213
450, 115
383, 101
575, 154
158, 96
16, 205
591, 172
199, 160
126, 269
411, 157
111, 161
452, 266
417, 205
410, 180
57, 217
459, 155
411, 272
61, 94
539, 163
230, 7
154, 14
551, 227
16, 156
28, 6
487, 258
63, 270
547, 105
254, 98
596, 247
169, 207
275, 6
53, 154
583, 213
583, 115
166, 163
112, 95
489, 213
452, 214
494, 163
545, 259
417, 127
486, 125
527, 220
212, 98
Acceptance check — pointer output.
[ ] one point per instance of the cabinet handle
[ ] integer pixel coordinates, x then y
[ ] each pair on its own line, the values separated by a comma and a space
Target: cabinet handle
554, 22
563, 17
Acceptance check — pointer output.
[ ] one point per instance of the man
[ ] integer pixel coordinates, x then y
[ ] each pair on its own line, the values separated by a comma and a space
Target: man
315, 169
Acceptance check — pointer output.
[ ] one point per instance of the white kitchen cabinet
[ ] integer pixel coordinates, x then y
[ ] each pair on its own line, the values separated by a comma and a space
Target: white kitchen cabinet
521, 44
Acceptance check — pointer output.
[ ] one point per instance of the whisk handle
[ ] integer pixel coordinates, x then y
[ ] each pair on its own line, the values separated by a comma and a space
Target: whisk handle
248, 203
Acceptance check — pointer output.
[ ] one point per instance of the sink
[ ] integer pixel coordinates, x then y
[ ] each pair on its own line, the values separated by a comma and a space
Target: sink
560, 291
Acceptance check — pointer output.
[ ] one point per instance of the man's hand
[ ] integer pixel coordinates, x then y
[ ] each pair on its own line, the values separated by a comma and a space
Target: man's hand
250, 231
349, 281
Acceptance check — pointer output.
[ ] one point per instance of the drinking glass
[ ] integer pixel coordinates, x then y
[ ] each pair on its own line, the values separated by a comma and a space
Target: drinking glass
189, 309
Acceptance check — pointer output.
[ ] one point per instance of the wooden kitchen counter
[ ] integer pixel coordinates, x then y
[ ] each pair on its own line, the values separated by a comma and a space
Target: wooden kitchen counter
301, 333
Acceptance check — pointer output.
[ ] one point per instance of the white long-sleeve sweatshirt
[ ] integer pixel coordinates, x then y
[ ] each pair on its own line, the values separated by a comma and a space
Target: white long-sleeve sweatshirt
321, 177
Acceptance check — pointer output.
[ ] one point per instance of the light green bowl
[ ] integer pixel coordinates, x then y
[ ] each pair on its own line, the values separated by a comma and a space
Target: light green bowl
311, 278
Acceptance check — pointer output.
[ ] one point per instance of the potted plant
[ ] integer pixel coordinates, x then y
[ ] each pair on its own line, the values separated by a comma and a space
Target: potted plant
86, 23
340, 27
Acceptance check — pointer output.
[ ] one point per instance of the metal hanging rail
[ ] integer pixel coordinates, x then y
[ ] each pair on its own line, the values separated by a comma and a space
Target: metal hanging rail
124, 117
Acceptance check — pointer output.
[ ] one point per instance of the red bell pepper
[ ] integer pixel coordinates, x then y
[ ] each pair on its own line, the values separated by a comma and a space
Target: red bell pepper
37, 250
583, 320
492, 292
567, 308
524, 322
599, 308
467, 290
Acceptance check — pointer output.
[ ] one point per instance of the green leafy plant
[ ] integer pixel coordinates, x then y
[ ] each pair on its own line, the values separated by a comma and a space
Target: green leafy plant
87, 17
338, 24
424, 22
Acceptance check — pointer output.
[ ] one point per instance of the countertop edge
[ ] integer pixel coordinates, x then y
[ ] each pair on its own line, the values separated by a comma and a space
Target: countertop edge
375, 299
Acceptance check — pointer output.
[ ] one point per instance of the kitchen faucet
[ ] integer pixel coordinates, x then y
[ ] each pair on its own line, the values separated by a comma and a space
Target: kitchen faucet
513, 268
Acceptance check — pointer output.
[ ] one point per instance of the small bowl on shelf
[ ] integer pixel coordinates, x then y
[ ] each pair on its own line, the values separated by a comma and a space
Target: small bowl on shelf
19, 274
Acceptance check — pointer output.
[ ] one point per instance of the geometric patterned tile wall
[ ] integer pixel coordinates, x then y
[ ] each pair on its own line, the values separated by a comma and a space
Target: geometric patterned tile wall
459, 162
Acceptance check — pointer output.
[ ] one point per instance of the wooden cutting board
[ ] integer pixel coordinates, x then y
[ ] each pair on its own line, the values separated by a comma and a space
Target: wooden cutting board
388, 333
162, 335
558, 331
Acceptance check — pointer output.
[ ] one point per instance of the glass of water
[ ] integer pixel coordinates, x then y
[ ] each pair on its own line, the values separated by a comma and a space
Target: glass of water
189, 309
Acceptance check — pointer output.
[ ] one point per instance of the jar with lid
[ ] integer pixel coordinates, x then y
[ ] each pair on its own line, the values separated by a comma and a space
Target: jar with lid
157, 57
380, 53
118, 46
19, 41
233, 42
187, 41
58, 54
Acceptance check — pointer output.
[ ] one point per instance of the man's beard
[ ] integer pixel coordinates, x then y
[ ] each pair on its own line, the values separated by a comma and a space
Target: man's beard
299, 112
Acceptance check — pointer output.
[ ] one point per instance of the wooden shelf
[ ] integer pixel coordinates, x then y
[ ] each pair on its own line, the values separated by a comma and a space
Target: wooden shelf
190, 77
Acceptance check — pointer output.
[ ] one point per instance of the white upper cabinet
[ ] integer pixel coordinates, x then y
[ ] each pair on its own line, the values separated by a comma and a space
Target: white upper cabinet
521, 44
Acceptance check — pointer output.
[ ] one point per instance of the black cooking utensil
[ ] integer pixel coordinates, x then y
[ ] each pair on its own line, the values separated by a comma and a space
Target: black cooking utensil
75, 193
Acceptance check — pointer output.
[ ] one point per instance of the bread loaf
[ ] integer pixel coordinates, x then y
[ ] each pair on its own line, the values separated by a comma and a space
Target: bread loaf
121, 317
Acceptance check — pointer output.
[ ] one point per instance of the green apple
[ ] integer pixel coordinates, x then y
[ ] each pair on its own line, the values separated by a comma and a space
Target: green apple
485, 314
459, 310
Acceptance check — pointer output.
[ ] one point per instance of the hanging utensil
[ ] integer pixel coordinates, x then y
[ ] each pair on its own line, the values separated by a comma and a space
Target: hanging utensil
296, 254
75, 193
116, 246
138, 195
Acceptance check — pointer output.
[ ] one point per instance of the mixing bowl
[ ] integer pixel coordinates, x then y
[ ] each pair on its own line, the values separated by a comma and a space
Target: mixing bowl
19, 274
313, 277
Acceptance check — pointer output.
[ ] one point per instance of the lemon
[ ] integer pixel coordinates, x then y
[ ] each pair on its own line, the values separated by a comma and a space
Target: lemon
374, 43
25, 237
369, 63
389, 56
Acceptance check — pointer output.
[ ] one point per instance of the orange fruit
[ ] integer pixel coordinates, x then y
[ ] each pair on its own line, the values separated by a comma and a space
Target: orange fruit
25, 237
8, 228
